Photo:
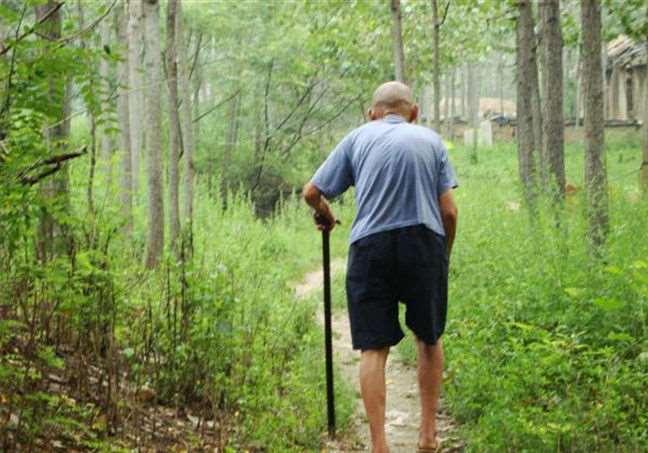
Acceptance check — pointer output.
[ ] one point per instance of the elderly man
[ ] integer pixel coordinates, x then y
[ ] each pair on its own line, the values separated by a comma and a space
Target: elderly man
400, 245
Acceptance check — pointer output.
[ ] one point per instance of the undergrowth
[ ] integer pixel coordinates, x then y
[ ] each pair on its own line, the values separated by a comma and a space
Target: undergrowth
220, 335
546, 346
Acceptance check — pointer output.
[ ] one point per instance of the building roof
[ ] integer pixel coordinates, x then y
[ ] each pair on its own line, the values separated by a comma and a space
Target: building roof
623, 51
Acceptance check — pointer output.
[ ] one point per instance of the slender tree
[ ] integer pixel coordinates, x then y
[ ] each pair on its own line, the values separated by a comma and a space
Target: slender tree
643, 177
643, 173
474, 103
453, 103
500, 81
553, 123
595, 168
436, 66
136, 92
174, 121
187, 127
397, 41
464, 91
126, 180
446, 105
230, 138
106, 136
153, 65
52, 236
92, 110
197, 80
536, 108
525, 137
578, 107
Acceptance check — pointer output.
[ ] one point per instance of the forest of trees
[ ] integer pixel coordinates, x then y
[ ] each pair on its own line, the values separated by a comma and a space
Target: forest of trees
151, 154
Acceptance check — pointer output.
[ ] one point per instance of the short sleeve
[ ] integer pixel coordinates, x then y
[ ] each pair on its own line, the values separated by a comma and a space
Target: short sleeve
335, 175
446, 176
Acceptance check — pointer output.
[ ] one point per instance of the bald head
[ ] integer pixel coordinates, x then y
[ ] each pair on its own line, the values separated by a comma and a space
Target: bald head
391, 94
393, 97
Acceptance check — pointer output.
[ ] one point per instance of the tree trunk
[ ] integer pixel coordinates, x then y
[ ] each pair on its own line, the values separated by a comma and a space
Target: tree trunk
579, 86
197, 85
525, 137
153, 65
446, 106
436, 67
196, 112
426, 104
106, 137
643, 173
606, 91
553, 123
464, 89
536, 107
473, 96
174, 121
595, 168
453, 106
230, 140
92, 158
136, 87
500, 82
126, 182
470, 94
397, 41
52, 239
187, 131
207, 94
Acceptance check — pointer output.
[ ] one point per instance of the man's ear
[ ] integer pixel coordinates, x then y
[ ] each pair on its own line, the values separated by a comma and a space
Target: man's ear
413, 114
371, 114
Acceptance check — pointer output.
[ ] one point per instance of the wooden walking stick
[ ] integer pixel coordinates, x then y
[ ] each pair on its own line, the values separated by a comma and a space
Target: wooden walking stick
330, 398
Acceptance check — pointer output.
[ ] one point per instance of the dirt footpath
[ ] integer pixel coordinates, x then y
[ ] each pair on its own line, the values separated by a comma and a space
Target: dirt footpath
402, 413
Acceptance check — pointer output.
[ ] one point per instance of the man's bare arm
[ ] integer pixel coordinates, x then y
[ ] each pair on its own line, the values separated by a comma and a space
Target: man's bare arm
449, 214
315, 199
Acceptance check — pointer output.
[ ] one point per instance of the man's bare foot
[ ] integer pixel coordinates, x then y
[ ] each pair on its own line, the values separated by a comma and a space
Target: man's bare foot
429, 445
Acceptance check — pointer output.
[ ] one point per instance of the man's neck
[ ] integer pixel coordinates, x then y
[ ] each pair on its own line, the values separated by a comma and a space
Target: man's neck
395, 113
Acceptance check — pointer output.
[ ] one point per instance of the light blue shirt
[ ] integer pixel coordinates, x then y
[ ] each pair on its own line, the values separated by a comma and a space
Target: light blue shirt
399, 170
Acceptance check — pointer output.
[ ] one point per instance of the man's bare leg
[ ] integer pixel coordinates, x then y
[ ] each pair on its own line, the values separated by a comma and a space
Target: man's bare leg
430, 376
372, 386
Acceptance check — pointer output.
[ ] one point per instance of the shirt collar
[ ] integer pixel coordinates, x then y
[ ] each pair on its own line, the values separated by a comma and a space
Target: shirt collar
393, 118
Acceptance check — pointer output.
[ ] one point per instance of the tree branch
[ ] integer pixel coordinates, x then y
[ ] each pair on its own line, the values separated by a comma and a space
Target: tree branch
31, 29
195, 56
335, 116
445, 14
67, 39
228, 98
55, 161
12, 68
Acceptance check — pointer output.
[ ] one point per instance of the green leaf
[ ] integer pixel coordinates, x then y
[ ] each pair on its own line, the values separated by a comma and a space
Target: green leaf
609, 304
575, 292
613, 270
620, 336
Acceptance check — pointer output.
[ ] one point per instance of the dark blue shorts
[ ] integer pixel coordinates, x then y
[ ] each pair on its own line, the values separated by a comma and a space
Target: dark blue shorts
408, 265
